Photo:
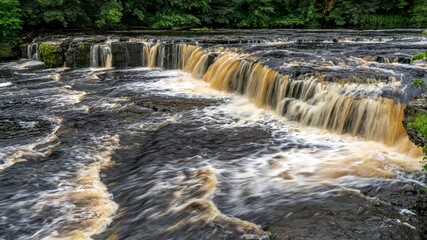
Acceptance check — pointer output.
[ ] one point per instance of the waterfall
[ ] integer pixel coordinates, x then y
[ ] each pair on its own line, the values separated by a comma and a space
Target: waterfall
33, 51
343, 106
100, 55
309, 99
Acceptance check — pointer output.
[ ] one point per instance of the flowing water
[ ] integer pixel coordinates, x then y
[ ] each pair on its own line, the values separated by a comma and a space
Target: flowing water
296, 136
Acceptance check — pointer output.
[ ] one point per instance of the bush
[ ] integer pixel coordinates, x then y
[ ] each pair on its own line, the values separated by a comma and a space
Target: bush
174, 21
110, 15
10, 20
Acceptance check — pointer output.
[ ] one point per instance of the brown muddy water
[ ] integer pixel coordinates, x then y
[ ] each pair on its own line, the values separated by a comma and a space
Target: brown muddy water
252, 135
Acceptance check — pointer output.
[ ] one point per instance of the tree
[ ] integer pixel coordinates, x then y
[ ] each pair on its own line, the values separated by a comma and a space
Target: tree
254, 13
419, 12
349, 13
134, 12
10, 19
110, 15
298, 13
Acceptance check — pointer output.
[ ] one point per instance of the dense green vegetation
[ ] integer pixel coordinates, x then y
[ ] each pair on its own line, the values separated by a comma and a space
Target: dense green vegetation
50, 55
419, 123
10, 20
184, 14
420, 56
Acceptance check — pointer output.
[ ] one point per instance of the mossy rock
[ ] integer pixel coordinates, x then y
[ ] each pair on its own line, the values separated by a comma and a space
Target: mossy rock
78, 55
24, 53
50, 55
425, 33
5, 50
9, 51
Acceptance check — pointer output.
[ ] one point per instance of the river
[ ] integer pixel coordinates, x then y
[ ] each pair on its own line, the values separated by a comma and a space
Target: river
268, 134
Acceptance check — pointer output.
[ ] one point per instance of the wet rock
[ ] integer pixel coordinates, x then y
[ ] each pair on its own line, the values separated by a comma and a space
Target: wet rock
32, 65
211, 59
127, 54
380, 59
343, 215
167, 104
404, 60
78, 54
77, 50
24, 52
8, 51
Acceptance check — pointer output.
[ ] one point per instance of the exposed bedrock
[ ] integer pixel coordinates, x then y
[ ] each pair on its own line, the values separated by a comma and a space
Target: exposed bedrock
9, 51
78, 51
127, 54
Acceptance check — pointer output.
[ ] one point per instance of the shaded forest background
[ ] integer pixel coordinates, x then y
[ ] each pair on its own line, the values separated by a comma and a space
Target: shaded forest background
17, 16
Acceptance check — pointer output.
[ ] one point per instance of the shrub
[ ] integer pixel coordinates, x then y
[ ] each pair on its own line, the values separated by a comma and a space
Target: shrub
10, 20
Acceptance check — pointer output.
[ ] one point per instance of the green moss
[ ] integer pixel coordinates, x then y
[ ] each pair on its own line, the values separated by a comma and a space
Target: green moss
81, 46
419, 124
50, 55
419, 56
5, 50
82, 55
425, 33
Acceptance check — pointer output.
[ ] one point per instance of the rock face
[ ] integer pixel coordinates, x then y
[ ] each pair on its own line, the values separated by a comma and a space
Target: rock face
416, 107
127, 54
24, 52
77, 54
8, 51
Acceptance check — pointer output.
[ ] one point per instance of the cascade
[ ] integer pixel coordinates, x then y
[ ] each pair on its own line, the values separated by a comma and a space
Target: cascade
309, 99
33, 51
100, 55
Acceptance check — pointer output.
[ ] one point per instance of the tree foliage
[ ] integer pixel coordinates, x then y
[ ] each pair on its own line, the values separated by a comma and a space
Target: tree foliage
10, 19
181, 14
419, 13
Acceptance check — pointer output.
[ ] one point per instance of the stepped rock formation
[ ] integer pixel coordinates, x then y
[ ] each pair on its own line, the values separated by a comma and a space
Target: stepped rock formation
323, 95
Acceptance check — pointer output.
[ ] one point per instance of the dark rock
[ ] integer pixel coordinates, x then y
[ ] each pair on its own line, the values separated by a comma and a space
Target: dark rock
9, 51
404, 60
32, 65
380, 59
127, 54
77, 50
78, 54
24, 52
